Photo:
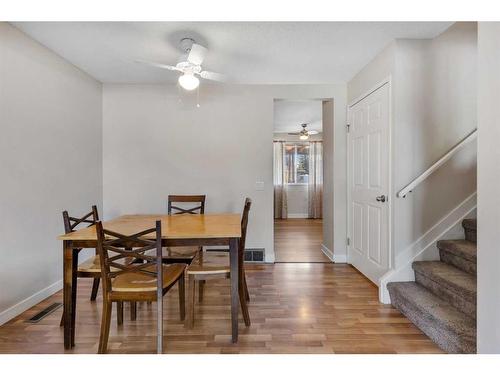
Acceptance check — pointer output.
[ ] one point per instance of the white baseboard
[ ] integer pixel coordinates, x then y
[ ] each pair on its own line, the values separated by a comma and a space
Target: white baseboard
297, 216
340, 258
424, 248
327, 252
335, 258
31, 301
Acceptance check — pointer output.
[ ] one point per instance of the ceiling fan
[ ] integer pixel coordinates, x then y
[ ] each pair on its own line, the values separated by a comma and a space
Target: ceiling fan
190, 65
304, 133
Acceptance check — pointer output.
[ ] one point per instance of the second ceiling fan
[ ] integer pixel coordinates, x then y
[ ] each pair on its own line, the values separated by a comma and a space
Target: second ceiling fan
304, 133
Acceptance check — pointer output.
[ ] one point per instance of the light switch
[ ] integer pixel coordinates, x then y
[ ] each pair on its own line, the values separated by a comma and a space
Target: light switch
259, 186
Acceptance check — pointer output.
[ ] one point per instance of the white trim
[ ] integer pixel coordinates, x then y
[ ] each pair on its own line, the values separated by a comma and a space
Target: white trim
327, 252
424, 246
335, 258
297, 216
339, 258
29, 302
370, 91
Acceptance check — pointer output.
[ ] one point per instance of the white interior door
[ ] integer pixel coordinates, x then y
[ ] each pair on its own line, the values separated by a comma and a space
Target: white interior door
368, 185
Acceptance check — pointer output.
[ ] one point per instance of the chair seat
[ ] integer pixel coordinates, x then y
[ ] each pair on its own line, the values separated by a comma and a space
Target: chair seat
181, 252
139, 282
93, 264
196, 269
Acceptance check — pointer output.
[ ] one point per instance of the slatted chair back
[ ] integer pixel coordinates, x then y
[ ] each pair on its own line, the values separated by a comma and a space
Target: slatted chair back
244, 223
71, 223
115, 249
175, 210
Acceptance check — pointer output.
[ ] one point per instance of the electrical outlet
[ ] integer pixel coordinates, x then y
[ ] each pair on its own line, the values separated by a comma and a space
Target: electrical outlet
259, 186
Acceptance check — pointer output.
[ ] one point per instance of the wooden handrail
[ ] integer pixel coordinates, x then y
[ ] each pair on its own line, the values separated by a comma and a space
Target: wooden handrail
408, 188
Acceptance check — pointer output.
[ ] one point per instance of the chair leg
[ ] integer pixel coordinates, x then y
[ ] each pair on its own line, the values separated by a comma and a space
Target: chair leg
201, 283
119, 313
244, 308
242, 290
105, 323
190, 313
182, 297
61, 323
95, 288
133, 310
200, 255
247, 294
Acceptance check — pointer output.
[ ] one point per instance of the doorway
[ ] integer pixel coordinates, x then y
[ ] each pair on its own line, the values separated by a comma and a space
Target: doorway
298, 171
368, 160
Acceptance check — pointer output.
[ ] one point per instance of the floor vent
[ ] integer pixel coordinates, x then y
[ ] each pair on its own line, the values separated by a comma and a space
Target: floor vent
42, 314
251, 255
254, 255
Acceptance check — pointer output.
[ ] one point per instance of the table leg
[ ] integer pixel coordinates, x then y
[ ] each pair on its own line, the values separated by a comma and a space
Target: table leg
74, 280
67, 289
234, 264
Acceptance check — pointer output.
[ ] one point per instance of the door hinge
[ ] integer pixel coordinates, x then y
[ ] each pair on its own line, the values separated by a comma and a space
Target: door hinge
348, 241
348, 127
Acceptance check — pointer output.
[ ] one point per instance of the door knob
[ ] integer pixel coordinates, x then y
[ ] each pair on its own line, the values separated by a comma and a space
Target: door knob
380, 198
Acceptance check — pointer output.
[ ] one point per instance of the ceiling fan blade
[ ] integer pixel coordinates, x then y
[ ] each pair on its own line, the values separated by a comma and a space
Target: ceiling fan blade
312, 132
158, 65
293, 133
197, 54
213, 76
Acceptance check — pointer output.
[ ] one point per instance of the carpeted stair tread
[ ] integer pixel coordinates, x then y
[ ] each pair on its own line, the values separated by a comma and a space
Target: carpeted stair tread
461, 248
461, 283
470, 224
452, 330
470, 230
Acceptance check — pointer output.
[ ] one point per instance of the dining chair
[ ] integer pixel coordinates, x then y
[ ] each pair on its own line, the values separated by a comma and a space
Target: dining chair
180, 204
186, 254
91, 267
202, 272
131, 281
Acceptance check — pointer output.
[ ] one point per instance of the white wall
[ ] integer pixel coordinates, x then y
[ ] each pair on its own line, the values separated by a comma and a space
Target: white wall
153, 146
433, 108
50, 160
488, 261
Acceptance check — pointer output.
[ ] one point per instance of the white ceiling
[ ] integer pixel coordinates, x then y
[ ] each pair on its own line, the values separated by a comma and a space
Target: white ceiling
248, 52
290, 114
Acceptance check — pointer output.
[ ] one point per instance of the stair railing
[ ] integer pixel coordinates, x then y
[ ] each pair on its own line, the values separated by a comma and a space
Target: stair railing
409, 188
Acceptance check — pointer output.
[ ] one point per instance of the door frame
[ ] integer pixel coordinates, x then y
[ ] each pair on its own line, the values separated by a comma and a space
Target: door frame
333, 100
388, 81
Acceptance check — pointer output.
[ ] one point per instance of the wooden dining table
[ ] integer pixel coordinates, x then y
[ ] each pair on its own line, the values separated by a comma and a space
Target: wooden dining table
177, 230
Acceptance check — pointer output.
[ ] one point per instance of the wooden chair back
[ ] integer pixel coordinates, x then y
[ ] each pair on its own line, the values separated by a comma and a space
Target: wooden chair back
116, 248
244, 223
71, 223
173, 199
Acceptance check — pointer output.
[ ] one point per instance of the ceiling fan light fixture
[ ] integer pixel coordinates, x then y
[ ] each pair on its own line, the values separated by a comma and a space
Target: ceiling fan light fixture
304, 137
189, 81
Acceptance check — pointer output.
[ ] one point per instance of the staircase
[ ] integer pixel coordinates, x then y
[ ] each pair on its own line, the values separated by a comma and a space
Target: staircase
442, 299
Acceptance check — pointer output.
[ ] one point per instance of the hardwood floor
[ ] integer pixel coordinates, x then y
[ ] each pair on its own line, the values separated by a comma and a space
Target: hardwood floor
294, 307
298, 240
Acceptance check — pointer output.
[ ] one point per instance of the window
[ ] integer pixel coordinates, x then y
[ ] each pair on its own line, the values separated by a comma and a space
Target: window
297, 163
